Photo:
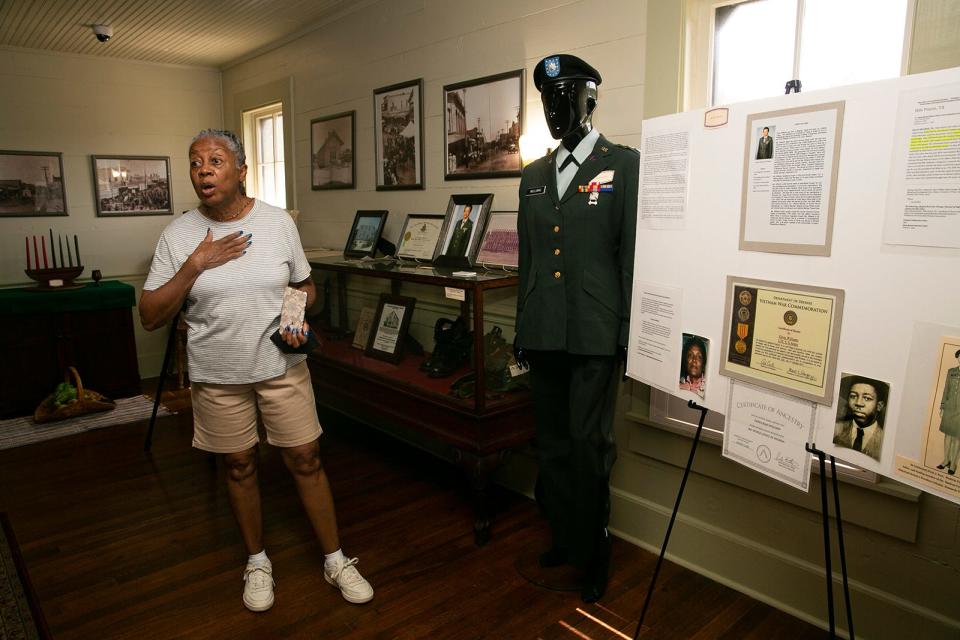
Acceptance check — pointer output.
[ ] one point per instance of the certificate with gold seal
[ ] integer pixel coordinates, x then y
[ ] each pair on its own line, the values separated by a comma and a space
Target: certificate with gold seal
782, 336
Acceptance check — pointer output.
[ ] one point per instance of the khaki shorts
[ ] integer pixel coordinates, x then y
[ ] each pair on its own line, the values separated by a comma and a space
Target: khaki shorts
225, 415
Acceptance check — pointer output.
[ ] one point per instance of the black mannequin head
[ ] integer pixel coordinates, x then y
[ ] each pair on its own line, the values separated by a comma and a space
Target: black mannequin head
568, 107
568, 92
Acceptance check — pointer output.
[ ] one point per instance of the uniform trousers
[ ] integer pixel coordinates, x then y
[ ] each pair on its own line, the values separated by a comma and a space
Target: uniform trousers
574, 399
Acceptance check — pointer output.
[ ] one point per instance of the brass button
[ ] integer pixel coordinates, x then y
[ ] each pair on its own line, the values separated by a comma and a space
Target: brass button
556, 229
556, 252
556, 274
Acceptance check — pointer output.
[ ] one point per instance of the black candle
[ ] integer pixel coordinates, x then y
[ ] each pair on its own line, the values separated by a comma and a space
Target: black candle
60, 242
53, 252
69, 253
76, 245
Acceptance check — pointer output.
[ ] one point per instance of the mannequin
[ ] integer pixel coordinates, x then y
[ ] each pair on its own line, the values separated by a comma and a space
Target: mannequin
577, 224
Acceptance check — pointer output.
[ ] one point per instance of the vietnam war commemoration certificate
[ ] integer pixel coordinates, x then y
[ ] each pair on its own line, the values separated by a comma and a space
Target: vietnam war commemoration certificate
782, 336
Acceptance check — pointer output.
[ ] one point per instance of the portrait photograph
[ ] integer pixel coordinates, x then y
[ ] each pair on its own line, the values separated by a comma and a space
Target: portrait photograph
693, 365
482, 127
460, 236
31, 184
942, 448
398, 135
331, 152
862, 406
764, 136
132, 185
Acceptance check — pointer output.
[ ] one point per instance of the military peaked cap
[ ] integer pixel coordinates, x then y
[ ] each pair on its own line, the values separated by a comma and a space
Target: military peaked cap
563, 67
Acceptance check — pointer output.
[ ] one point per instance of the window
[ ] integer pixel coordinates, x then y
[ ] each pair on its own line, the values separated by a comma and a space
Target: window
263, 139
749, 50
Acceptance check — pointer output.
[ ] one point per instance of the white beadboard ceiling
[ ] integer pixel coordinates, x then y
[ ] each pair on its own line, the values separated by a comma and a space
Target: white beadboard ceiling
209, 33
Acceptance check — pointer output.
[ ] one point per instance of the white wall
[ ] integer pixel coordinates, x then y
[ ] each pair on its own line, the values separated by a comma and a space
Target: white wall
337, 67
82, 106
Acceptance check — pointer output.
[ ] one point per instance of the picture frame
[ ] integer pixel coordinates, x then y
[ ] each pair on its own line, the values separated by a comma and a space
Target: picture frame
482, 127
500, 242
362, 332
332, 143
388, 331
131, 186
782, 336
365, 234
398, 136
419, 236
458, 241
31, 184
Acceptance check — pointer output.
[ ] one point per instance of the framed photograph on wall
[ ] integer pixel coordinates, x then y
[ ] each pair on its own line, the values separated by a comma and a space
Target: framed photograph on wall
364, 234
500, 242
482, 127
389, 329
460, 236
132, 185
398, 135
31, 184
332, 140
419, 236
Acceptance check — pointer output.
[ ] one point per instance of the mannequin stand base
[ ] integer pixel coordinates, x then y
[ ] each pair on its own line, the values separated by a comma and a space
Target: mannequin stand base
562, 578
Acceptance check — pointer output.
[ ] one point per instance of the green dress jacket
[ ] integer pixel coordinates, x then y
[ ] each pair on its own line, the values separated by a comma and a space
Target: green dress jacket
576, 259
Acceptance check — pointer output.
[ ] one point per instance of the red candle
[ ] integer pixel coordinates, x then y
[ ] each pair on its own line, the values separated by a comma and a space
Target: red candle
43, 243
27, 241
36, 254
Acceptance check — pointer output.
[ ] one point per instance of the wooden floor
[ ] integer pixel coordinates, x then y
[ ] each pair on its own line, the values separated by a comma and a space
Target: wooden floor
120, 544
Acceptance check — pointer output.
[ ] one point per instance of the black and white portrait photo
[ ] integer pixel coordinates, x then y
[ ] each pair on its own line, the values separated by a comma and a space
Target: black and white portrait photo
861, 413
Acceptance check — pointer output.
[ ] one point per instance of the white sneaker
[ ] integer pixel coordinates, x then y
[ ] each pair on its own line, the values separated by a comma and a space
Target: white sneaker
353, 587
258, 590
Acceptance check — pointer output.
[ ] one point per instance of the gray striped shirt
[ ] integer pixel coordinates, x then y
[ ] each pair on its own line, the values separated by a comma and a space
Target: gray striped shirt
232, 309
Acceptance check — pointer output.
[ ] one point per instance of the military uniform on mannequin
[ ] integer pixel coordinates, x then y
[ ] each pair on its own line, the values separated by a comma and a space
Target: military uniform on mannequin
577, 222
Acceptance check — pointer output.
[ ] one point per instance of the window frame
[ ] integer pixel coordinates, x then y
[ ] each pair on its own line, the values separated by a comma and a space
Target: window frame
700, 26
251, 141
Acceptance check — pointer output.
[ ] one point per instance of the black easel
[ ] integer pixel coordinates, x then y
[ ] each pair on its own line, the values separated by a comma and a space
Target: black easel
148, 441
828, 564
673, 516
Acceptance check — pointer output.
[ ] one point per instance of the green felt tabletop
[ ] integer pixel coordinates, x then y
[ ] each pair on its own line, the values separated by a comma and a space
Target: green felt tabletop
109, 294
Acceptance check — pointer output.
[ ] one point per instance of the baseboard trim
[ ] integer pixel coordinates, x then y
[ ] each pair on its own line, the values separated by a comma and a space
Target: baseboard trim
643, 522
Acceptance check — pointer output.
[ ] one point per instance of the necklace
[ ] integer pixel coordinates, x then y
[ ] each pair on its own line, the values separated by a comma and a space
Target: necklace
243, 205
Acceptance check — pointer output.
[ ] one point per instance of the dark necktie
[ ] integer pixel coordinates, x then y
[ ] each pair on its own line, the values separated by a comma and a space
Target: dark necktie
567, 161
858, 441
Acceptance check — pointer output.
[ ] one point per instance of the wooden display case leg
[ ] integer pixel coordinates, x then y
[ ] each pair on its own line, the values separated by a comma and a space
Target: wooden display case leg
480, 470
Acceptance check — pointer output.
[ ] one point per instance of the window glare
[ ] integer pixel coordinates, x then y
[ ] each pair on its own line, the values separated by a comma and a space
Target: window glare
753, 49
850, 41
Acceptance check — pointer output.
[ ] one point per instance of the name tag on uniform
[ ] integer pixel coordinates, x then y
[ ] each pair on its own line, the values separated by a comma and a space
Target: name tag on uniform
536, 191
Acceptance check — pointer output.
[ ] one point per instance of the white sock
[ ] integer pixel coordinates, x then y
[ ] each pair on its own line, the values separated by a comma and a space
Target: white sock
258, 559
333, 560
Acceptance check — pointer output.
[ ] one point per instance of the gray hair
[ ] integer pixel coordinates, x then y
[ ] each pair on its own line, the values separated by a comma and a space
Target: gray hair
229, 138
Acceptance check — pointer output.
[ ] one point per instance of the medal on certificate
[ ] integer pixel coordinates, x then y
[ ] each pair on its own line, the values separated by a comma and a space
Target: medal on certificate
742, 331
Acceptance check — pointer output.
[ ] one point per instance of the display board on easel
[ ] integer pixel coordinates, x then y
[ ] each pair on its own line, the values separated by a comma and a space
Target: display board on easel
856, 193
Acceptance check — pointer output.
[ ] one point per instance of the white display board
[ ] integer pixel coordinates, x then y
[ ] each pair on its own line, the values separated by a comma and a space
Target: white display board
889, 288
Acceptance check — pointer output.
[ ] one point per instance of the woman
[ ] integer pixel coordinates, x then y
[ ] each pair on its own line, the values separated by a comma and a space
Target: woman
233, 288
950, 418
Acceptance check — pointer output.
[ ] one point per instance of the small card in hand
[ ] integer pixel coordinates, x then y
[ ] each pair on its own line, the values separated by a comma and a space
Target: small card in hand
294, 307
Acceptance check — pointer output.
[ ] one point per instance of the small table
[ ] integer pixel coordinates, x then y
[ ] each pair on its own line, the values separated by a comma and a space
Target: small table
44, 332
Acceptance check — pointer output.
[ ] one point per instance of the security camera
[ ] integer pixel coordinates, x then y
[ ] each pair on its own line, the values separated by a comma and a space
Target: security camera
103, 32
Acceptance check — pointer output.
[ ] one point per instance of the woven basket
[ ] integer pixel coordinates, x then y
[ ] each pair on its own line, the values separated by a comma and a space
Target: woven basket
87, 402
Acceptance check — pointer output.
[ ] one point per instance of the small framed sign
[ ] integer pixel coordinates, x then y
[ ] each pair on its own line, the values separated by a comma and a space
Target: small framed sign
389, 329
